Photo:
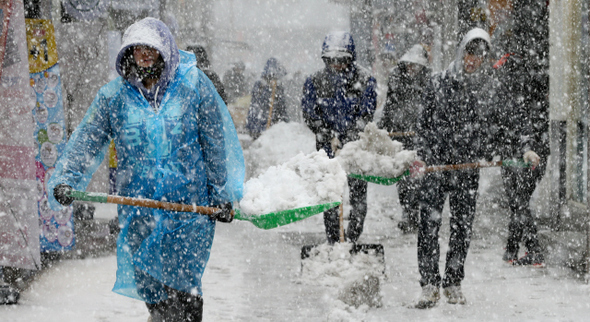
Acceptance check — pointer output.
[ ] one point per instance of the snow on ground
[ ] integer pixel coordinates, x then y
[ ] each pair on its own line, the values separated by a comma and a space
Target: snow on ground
375, 154
256, 275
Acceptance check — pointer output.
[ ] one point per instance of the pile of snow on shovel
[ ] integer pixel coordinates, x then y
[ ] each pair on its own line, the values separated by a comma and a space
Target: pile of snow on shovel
375, 154
304, 180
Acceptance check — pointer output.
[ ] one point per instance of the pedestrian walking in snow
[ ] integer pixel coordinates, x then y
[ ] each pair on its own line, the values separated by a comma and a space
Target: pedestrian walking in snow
522, 125
400, 114
204, 65
234, 82
175, 142
338, 102
268, 105
452, 129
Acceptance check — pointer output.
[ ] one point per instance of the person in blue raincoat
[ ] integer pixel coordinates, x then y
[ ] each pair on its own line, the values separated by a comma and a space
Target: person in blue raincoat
175, 142
268, 105
338, 102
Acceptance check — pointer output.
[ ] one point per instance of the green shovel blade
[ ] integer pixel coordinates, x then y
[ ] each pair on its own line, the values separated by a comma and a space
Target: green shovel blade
284, 217
380, 180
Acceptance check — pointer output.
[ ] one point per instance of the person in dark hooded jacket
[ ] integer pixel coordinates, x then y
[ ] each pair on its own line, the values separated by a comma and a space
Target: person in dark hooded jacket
268, 105
337, 104
522, 126
453, 129
204, 65
175, 142
400, 116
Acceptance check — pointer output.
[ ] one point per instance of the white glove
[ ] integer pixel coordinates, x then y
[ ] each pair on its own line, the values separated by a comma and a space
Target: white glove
532, 157
417, 169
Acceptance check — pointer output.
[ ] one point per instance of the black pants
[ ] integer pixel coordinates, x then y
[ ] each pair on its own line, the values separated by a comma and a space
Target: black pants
461, 187
179, 307
407, 190
519, 185
358, 201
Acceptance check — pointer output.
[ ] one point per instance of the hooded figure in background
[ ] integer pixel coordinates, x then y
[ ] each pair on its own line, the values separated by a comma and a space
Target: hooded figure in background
204, 65
400, 116
175, 142
453, 128
338, 102
268, 105
522, 124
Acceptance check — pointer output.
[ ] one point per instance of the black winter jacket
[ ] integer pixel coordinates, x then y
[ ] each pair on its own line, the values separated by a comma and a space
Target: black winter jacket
521, 120
402, 107
453, 126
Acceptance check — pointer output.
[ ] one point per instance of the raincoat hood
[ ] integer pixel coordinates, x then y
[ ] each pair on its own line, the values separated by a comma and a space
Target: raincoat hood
153, 33
273, 69
416, 55
456, 67
338, 44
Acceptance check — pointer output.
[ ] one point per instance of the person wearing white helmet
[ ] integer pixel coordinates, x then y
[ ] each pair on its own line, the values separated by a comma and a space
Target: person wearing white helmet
338, 101
452, 129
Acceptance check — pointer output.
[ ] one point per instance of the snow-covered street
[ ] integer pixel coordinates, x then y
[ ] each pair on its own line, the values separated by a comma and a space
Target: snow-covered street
254, 275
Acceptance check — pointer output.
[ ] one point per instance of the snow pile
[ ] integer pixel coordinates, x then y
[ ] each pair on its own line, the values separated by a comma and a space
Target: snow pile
334, 266
375, 154
278, 144
304, 180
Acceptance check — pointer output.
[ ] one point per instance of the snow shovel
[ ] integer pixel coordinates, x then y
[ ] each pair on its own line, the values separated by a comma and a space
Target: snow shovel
369, 249
263, 221
271, 103
437, 168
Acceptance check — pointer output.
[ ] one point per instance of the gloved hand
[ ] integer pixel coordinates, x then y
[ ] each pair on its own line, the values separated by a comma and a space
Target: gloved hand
418, 169
532, 157
61, 192
224, 214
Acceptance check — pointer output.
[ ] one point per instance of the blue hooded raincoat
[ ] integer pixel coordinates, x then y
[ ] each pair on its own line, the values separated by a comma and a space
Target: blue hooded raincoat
177, 144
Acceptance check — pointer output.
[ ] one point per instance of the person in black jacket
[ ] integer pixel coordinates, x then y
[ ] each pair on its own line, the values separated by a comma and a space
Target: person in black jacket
522, 125
452, 129
400, 115
337, 104
204, 65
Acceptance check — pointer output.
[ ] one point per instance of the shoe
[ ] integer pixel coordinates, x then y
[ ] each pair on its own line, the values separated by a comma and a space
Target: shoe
454, 294
430, 295
510, 256
536, 260
406, 227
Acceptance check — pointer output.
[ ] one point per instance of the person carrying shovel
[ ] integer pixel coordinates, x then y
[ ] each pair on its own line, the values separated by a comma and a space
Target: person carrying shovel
338, 102
268, 105
453, 129
400, 115
175, 142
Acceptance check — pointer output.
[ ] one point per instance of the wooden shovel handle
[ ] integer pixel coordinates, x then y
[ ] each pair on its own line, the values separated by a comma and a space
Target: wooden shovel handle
401, 134
272, 102
148, 203
476, 165
341, 222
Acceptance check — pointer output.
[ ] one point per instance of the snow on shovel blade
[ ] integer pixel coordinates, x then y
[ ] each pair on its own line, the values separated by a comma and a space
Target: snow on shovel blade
284, 217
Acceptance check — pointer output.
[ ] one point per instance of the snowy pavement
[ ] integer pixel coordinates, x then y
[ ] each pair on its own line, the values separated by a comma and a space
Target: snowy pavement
254, 275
